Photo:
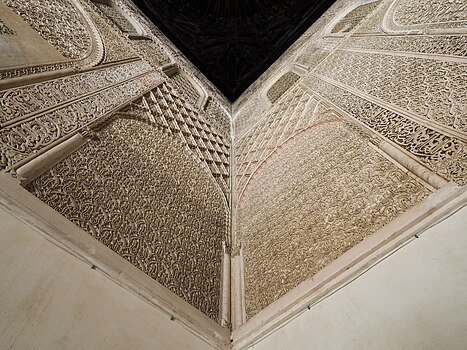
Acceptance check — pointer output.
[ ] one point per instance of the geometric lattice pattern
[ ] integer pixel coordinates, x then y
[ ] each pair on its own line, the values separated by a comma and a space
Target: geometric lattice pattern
164, 107
115, 16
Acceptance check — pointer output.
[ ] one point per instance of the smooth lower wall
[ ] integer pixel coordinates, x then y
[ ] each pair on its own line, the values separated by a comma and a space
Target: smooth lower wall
414, 299
51, 300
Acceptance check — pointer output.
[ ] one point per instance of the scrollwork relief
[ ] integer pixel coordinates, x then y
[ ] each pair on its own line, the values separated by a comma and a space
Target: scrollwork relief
443, 154
315, 199
57, 21
20, 141
409, 12
147, 199
20, 102
432, 89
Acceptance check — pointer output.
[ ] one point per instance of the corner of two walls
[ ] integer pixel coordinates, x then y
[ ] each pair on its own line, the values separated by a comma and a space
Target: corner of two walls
367, 132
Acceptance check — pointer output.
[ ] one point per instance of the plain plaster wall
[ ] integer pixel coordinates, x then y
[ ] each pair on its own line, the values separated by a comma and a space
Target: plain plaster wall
415, 299
51, 300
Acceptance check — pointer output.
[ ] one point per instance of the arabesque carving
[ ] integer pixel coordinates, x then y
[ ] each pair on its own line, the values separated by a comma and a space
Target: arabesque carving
147, 199
432, 89
115, 16
408, 12
116, 46
58, 22
185, 88
21, 140
314, 199
23, 101
443, 154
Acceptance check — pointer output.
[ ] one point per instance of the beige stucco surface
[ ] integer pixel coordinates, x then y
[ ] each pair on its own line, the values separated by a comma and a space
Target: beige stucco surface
51, 300
414, 299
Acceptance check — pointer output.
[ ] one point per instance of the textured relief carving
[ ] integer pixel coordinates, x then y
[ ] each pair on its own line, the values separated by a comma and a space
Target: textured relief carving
316, 198
5, 30
115, 16
441, 45
282, 85
116, 46
432, 89
144, 197
410, 12
17, 72
21, 102
443, 154
164, 107
218, 118
292, 115
151, 52
21, 140
185, 88
354, 17
58, 22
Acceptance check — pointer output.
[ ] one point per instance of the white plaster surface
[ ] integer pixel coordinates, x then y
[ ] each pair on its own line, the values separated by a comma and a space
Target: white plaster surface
414, 299
51, 300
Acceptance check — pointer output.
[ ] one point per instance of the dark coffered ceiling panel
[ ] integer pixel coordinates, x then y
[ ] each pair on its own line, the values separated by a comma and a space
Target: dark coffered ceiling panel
233, 41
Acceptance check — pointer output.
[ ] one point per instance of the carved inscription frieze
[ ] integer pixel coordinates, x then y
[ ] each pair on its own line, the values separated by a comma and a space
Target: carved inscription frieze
455, 45
150, 201
164, 107
21, 140
444, 154
20, 102
432, 89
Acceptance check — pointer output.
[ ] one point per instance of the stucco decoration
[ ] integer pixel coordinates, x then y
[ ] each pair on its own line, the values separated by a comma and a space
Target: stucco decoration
146, 198
315, 198
171, 112
57, 21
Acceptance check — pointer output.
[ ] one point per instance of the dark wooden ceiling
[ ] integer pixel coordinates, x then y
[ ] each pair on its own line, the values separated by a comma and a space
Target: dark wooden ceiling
233, 41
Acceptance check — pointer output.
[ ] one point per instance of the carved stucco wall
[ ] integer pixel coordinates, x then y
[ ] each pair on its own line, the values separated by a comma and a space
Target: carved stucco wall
308, 168
312, 179
135, 190
153, 184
